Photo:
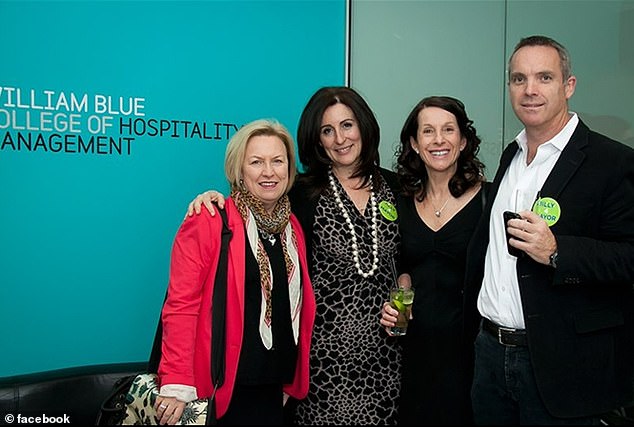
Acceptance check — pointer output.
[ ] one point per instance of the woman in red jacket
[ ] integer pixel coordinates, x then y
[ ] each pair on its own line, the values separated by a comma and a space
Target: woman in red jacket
270, 302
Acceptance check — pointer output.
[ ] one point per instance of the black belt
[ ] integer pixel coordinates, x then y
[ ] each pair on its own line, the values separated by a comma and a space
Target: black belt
506, 336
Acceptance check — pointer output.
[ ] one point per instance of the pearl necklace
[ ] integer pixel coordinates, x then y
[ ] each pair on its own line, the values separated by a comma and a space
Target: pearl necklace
355, 247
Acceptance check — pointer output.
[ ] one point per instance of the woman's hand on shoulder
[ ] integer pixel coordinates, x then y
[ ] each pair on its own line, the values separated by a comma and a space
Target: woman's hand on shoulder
207, 199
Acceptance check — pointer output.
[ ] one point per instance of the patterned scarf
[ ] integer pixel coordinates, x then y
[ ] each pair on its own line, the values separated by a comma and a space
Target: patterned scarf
257, 218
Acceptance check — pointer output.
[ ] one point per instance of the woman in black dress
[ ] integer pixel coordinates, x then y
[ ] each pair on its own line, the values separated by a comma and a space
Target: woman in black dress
443, 186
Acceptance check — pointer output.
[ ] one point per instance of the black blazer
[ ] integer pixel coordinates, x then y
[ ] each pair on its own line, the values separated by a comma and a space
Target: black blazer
580, 316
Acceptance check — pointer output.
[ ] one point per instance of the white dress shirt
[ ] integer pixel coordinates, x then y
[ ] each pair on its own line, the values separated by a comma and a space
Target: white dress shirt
499, 299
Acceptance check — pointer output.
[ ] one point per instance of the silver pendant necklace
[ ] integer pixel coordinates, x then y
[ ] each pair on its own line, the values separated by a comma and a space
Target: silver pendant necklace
355, 247
438, 212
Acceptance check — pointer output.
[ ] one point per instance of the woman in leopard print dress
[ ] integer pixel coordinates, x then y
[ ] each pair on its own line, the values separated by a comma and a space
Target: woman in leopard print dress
343, 199
345, 204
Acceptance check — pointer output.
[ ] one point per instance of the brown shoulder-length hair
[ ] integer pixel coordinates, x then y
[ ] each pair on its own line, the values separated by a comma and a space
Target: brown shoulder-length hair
311, 153
411, 169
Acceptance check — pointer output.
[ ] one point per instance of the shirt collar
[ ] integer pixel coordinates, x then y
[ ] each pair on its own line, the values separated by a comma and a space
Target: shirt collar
559, 141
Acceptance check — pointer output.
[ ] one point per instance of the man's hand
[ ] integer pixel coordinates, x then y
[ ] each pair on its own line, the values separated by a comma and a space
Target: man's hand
535, 236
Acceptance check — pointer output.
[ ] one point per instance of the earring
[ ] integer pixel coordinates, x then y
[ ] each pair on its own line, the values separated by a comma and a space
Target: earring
416, 151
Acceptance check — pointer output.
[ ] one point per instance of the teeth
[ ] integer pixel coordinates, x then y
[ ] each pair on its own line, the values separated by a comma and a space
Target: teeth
439, 153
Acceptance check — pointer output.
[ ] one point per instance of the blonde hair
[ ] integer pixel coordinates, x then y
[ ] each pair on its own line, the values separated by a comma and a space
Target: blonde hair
234, 156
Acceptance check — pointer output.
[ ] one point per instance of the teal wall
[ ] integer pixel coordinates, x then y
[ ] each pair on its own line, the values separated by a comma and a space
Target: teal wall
86, 231
600, 38
403, 51
86, 236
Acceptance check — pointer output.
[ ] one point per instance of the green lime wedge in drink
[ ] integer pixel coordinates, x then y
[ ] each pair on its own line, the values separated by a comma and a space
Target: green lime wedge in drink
399, 305
408, 297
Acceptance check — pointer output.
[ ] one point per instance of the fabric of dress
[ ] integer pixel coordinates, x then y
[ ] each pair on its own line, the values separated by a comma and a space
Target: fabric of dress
257, 394
436, 357
354, 364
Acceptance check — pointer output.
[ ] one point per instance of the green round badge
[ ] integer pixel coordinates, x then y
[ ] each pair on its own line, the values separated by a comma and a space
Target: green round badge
548, 209
388, 210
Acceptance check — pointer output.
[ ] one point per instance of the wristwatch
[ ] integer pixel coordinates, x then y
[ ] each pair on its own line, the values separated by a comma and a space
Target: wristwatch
552, 260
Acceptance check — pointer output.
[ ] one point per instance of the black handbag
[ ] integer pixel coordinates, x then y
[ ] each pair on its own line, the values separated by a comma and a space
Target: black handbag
113, 408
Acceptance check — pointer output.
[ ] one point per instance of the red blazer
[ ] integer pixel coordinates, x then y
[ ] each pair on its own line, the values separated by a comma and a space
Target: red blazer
186, 316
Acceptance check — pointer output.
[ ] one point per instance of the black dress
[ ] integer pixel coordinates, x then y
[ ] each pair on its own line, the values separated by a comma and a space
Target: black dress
257, 394
437, 364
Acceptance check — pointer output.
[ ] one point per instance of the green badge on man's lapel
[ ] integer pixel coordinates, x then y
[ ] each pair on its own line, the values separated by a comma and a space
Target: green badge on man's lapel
548, 209
388, 210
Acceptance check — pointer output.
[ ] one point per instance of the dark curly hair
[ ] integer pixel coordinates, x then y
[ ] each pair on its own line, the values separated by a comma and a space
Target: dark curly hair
311, 153
410, 167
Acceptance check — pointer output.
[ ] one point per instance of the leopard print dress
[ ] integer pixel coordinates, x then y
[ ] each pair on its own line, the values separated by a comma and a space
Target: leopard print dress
354, 364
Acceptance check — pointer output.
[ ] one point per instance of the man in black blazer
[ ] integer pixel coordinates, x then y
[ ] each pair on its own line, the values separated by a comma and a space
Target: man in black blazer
556, 341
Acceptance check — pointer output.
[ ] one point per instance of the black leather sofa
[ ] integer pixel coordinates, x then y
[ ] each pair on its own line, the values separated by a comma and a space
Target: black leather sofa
72, 395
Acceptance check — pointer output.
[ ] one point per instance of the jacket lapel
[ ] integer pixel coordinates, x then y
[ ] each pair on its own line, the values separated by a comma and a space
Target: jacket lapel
505, 161
568, 162
480, 239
